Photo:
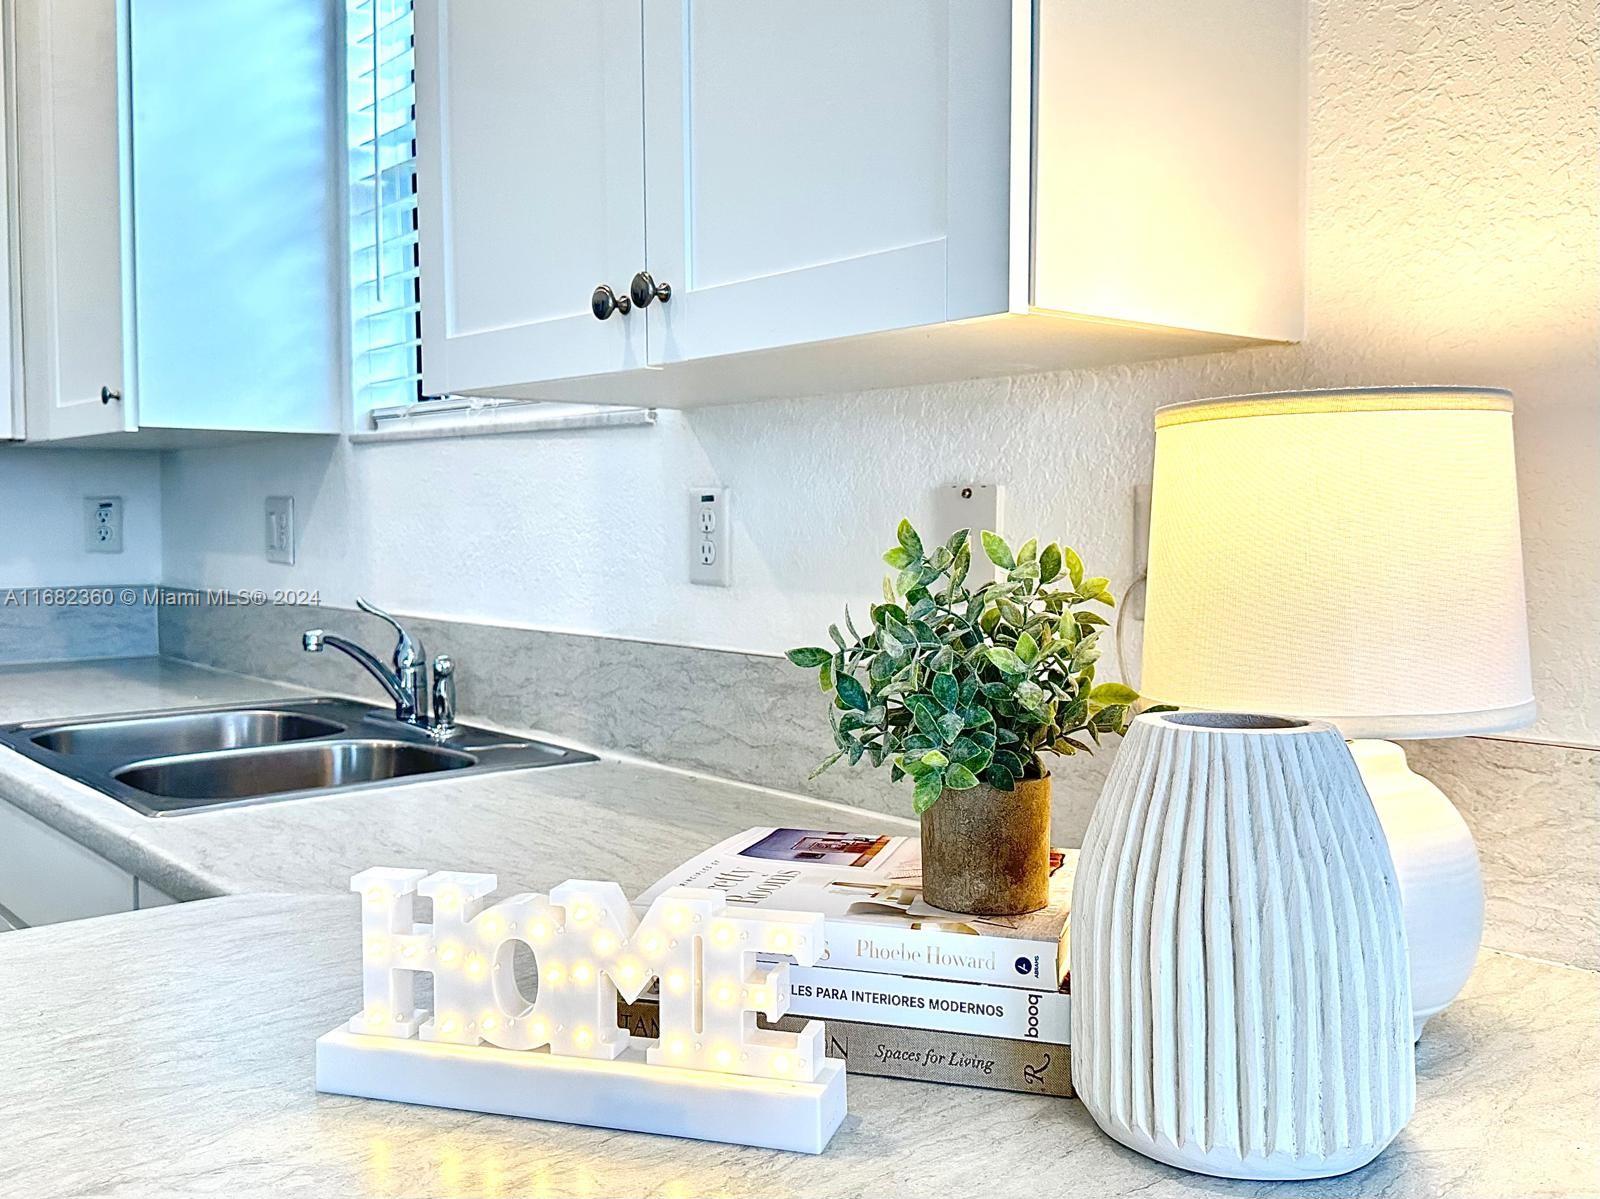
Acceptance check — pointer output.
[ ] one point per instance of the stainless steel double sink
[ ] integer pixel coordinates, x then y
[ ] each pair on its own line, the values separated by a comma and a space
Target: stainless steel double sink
171, 762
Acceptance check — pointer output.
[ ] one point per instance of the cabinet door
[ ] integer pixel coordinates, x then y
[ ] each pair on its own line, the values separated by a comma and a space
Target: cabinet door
237, 285
47, 877
530, 188
145, 895
71, 81
823, 169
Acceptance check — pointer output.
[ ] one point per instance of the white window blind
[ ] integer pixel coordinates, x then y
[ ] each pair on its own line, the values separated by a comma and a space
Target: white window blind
385, 344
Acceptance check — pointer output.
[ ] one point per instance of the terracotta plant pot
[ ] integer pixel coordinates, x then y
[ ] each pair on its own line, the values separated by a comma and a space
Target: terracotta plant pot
987, 852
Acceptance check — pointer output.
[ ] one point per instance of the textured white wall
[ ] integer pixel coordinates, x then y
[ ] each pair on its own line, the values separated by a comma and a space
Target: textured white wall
41, 516
1452, 215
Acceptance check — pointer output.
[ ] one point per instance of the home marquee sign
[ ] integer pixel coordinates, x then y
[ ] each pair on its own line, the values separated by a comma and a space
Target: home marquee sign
713, 1074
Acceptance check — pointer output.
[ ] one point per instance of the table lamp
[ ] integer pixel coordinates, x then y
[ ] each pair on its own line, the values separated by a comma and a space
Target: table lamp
1352, 556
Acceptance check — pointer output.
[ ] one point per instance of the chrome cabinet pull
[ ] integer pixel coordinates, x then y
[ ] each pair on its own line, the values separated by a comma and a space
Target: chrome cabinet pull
644, 289
107, 394
605, 301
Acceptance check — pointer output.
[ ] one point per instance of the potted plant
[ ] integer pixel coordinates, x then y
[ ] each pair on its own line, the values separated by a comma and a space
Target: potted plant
962, 690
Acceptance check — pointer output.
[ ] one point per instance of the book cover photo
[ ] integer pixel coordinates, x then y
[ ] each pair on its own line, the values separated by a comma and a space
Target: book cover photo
869, 889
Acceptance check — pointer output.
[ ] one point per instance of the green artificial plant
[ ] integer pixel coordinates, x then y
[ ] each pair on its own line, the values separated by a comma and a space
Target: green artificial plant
957, 686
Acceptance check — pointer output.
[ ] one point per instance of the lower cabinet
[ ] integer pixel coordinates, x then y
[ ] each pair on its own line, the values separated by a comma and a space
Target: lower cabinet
46, 877
148, 896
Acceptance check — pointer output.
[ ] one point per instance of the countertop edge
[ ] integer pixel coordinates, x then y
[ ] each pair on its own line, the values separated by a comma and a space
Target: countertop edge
38, 791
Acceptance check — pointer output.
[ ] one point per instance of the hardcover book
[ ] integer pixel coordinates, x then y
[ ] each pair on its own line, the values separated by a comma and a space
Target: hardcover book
869, 889
924, 1055
1010, 1013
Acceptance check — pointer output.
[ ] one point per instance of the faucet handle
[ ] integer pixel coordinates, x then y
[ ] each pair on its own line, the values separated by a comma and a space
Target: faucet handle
407, 651
444, 696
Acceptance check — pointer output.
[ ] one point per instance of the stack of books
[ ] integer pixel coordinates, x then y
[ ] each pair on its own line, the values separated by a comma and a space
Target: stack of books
906, 990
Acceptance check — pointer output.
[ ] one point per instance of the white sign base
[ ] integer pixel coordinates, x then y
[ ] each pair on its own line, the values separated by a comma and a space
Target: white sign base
624, 1093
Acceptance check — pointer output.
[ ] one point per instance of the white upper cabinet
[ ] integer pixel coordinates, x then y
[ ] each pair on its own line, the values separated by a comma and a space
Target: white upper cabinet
1167, 166
530, 131
178, 220
851, 193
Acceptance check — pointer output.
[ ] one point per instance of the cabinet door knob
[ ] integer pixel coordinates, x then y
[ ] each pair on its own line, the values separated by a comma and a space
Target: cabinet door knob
605, 301
107, 394
644, 289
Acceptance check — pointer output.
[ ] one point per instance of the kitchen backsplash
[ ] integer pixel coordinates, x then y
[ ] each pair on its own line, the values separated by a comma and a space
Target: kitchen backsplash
1534, 810
756, 719
750, 717
58, 624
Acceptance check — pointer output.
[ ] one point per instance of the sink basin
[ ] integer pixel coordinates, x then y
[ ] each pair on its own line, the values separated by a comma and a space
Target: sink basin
321, 765
193, 732
170, 763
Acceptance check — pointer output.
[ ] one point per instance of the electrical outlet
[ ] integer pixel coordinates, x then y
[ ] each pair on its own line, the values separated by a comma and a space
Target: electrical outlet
709, 529
102, 524
280, 529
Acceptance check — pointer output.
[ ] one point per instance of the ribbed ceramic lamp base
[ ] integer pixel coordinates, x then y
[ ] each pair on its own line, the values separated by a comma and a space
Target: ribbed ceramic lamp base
1241, 1004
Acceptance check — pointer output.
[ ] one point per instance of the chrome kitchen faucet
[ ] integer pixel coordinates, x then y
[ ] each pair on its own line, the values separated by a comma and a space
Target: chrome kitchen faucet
407, 683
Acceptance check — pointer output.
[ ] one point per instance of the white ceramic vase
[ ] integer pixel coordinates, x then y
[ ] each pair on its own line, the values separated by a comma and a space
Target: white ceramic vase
1441, 882
1240, 998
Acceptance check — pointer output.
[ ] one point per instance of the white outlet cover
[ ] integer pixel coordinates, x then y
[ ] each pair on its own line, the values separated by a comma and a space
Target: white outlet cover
280, 529
102, 524
710, 535
975, 506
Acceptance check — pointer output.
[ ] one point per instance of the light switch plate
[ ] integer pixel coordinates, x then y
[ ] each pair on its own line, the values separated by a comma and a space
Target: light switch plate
975, 506
102, 524
710, 536
280, 529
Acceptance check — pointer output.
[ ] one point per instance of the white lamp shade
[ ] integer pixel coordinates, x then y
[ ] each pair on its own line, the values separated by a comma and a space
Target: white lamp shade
1350, 555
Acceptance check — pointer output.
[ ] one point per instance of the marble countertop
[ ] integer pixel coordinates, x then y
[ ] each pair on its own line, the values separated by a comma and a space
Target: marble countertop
183, 1062
613, 819
183, 1065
